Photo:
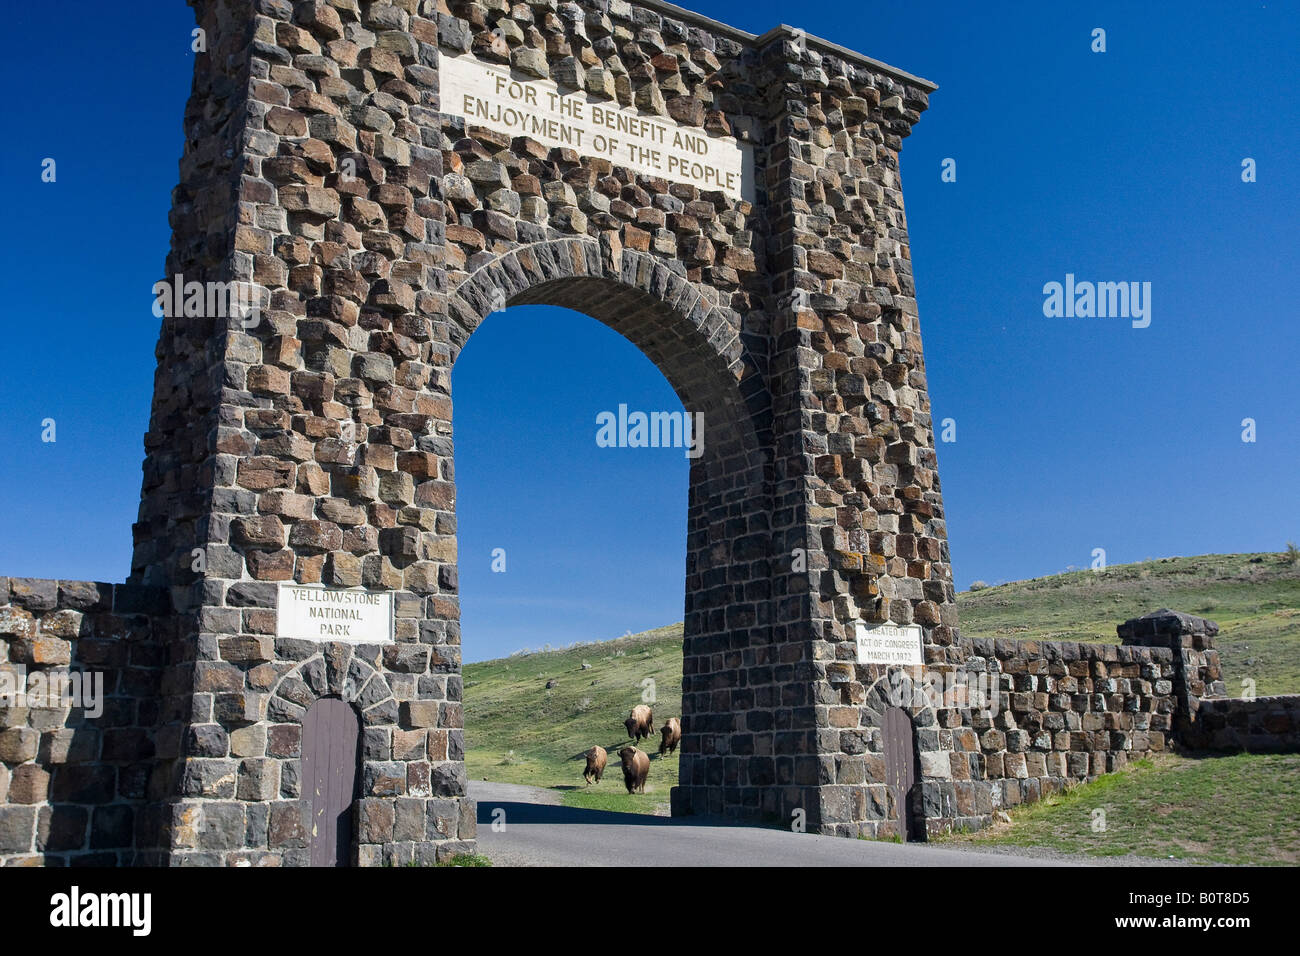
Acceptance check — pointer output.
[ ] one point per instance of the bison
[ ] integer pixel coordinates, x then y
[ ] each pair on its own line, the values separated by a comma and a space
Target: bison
641, 723
636, 767
672, 733
596, 758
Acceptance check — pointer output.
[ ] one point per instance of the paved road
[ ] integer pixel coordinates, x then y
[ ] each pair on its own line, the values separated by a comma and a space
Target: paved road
540, 832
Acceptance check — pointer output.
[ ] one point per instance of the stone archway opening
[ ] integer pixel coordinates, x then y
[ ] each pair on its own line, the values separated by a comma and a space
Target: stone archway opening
684, 339
569, 532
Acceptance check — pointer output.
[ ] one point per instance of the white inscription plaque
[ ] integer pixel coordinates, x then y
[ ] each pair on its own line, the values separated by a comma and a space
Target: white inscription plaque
889, 644
492, 97
312, 613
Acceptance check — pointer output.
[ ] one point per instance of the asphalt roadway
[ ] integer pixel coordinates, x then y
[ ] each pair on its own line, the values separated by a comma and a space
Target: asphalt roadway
532, 829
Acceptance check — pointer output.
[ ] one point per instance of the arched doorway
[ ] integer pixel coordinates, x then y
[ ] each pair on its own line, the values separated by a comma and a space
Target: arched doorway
330, 770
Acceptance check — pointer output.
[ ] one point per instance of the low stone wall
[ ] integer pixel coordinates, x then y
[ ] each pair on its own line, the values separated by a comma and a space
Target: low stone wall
1065, 712
74, 786
1258, 725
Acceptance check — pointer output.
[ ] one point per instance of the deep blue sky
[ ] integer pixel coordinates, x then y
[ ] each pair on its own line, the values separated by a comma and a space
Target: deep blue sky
1073, 434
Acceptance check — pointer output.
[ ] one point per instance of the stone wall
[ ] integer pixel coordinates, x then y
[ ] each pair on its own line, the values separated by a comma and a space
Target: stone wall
1068, 712
1258, 725
77, 789
1061, 713
1191, 640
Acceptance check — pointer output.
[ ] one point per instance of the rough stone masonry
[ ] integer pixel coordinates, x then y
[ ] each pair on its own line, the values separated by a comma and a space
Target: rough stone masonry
376, 228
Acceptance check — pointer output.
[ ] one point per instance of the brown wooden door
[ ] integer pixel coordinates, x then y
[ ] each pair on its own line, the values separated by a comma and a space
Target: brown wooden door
900, 766
330, 735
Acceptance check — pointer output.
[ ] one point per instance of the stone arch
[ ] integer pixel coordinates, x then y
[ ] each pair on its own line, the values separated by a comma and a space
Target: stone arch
695, 343
338, 671
897, 687
316, 446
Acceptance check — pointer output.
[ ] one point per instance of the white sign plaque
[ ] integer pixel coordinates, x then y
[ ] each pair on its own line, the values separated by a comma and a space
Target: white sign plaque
494, 98
309, 612
889, 644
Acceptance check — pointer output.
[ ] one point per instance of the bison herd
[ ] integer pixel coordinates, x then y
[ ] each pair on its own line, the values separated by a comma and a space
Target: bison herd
636, 763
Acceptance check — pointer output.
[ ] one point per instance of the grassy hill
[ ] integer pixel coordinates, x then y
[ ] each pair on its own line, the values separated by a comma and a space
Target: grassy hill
519, 731
1254, 597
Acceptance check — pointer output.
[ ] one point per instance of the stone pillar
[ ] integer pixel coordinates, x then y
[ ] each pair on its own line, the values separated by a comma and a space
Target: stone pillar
856, 467
1197, 674
310, 445
181, 532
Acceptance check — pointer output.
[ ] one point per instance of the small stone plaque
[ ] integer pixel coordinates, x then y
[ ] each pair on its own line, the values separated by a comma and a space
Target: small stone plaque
312, 613
889, 644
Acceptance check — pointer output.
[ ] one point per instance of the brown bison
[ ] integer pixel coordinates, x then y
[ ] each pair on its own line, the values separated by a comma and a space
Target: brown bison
641, 723
596, 758
672, 732
636, 767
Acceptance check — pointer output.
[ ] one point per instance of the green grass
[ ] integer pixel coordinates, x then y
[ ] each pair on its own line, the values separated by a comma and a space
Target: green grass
1230, 809
518, 731
466, 859
607, 797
